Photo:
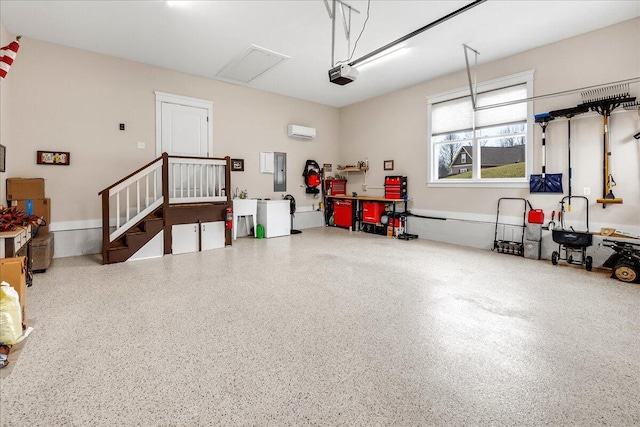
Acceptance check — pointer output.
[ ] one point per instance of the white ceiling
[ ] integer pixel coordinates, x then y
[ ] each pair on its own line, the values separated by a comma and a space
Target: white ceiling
202, 37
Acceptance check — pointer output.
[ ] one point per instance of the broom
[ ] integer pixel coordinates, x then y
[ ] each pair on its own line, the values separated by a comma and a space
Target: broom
603, 101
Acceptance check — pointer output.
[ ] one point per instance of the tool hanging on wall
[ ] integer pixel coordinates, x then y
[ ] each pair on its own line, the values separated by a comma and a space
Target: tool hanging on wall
545, 182
569, 113
603, 101
312, 177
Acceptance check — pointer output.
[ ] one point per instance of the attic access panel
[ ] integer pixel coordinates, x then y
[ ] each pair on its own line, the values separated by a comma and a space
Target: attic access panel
252, 64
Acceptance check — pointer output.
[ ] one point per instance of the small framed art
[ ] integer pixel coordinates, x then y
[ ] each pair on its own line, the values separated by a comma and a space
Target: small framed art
54, 158
237, 165
388, 165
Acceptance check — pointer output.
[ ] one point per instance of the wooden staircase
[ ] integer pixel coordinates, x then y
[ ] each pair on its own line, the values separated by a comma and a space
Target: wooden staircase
135, 238
168, 191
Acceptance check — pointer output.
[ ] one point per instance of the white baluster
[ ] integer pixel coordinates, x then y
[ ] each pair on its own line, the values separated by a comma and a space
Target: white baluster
127, 207
117, 210
138, 196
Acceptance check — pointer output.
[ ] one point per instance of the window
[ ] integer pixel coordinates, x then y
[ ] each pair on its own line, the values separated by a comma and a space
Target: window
484, 147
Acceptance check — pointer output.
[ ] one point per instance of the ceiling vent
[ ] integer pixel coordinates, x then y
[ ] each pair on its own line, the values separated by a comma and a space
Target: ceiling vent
303, 132
252, 64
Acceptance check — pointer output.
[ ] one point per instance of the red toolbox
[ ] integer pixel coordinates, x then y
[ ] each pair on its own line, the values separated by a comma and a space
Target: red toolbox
335, 187
372, 211
343, 213
395, 187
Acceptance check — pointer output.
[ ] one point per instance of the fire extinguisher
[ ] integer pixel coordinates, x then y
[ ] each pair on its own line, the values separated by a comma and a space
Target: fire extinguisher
229, 218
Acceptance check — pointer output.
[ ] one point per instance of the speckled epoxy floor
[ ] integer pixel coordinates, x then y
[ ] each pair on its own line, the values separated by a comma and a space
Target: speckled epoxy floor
328, 327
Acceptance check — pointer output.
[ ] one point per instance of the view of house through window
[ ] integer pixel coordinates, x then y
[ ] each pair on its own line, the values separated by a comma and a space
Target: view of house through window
480, 145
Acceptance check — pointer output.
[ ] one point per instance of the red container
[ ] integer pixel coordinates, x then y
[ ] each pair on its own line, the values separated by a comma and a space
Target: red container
335, 187
536, 216
395, 187
372, 211
342, 213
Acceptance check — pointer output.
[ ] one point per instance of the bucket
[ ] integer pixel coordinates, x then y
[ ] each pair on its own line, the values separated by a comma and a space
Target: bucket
259, 231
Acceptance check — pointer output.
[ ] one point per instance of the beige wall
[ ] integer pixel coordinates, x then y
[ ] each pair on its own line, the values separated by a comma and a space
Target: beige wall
72, 100
5, 39
394, 126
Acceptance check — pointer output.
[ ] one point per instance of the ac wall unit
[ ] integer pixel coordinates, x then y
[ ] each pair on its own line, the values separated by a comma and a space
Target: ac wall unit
296, 131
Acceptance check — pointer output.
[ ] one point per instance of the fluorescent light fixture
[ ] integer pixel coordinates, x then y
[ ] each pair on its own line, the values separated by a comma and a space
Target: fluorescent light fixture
383, 56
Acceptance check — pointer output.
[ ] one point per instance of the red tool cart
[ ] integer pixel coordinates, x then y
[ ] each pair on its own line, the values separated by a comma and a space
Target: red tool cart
343, 213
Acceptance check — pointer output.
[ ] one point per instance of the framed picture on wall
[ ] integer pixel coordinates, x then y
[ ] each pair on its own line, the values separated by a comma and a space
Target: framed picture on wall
3, 158
237, 165
54, 158
388, 165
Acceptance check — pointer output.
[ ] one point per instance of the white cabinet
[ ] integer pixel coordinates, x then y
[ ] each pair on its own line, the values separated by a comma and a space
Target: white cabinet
244, 208
187, 238
212, 235
275, 217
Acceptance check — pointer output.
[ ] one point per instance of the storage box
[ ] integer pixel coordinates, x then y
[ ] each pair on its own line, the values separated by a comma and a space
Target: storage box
533, 232
14, 272
531, 249
41, 251
25, 188
372, 211
37, 207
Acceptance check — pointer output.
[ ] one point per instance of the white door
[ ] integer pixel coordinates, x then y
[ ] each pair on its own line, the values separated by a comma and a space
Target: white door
183, 125
185, 130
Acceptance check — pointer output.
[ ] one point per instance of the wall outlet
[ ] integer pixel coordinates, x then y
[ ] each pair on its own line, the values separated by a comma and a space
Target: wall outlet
364, 187
141, 144
587, 191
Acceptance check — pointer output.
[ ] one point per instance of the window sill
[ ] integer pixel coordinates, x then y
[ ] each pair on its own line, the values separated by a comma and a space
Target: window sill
479, 184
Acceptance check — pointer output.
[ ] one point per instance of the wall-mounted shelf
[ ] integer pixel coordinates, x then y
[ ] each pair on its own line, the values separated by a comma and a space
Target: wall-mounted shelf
354, 169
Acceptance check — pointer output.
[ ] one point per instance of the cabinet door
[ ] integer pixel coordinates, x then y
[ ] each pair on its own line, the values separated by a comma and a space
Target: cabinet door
185, 238
212, 235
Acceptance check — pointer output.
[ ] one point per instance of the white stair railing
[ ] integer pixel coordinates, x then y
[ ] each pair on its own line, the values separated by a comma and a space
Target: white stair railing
193, 180
189, 180
135, 198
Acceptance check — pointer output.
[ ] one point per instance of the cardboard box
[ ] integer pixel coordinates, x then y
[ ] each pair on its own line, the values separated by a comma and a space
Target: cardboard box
41, 251
14, 272
25, 188
37, 207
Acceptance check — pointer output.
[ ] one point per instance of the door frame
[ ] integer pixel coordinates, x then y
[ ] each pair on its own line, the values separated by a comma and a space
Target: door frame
189, 102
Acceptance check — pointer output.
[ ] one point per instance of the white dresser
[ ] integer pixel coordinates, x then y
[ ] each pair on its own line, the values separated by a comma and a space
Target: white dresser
275, 217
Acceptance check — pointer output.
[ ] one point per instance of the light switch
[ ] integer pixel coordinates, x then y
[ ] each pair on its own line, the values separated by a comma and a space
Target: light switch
141, 144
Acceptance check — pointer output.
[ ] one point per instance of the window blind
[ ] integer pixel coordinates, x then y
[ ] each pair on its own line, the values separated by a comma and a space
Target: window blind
457, 115
452, 116
507, 114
